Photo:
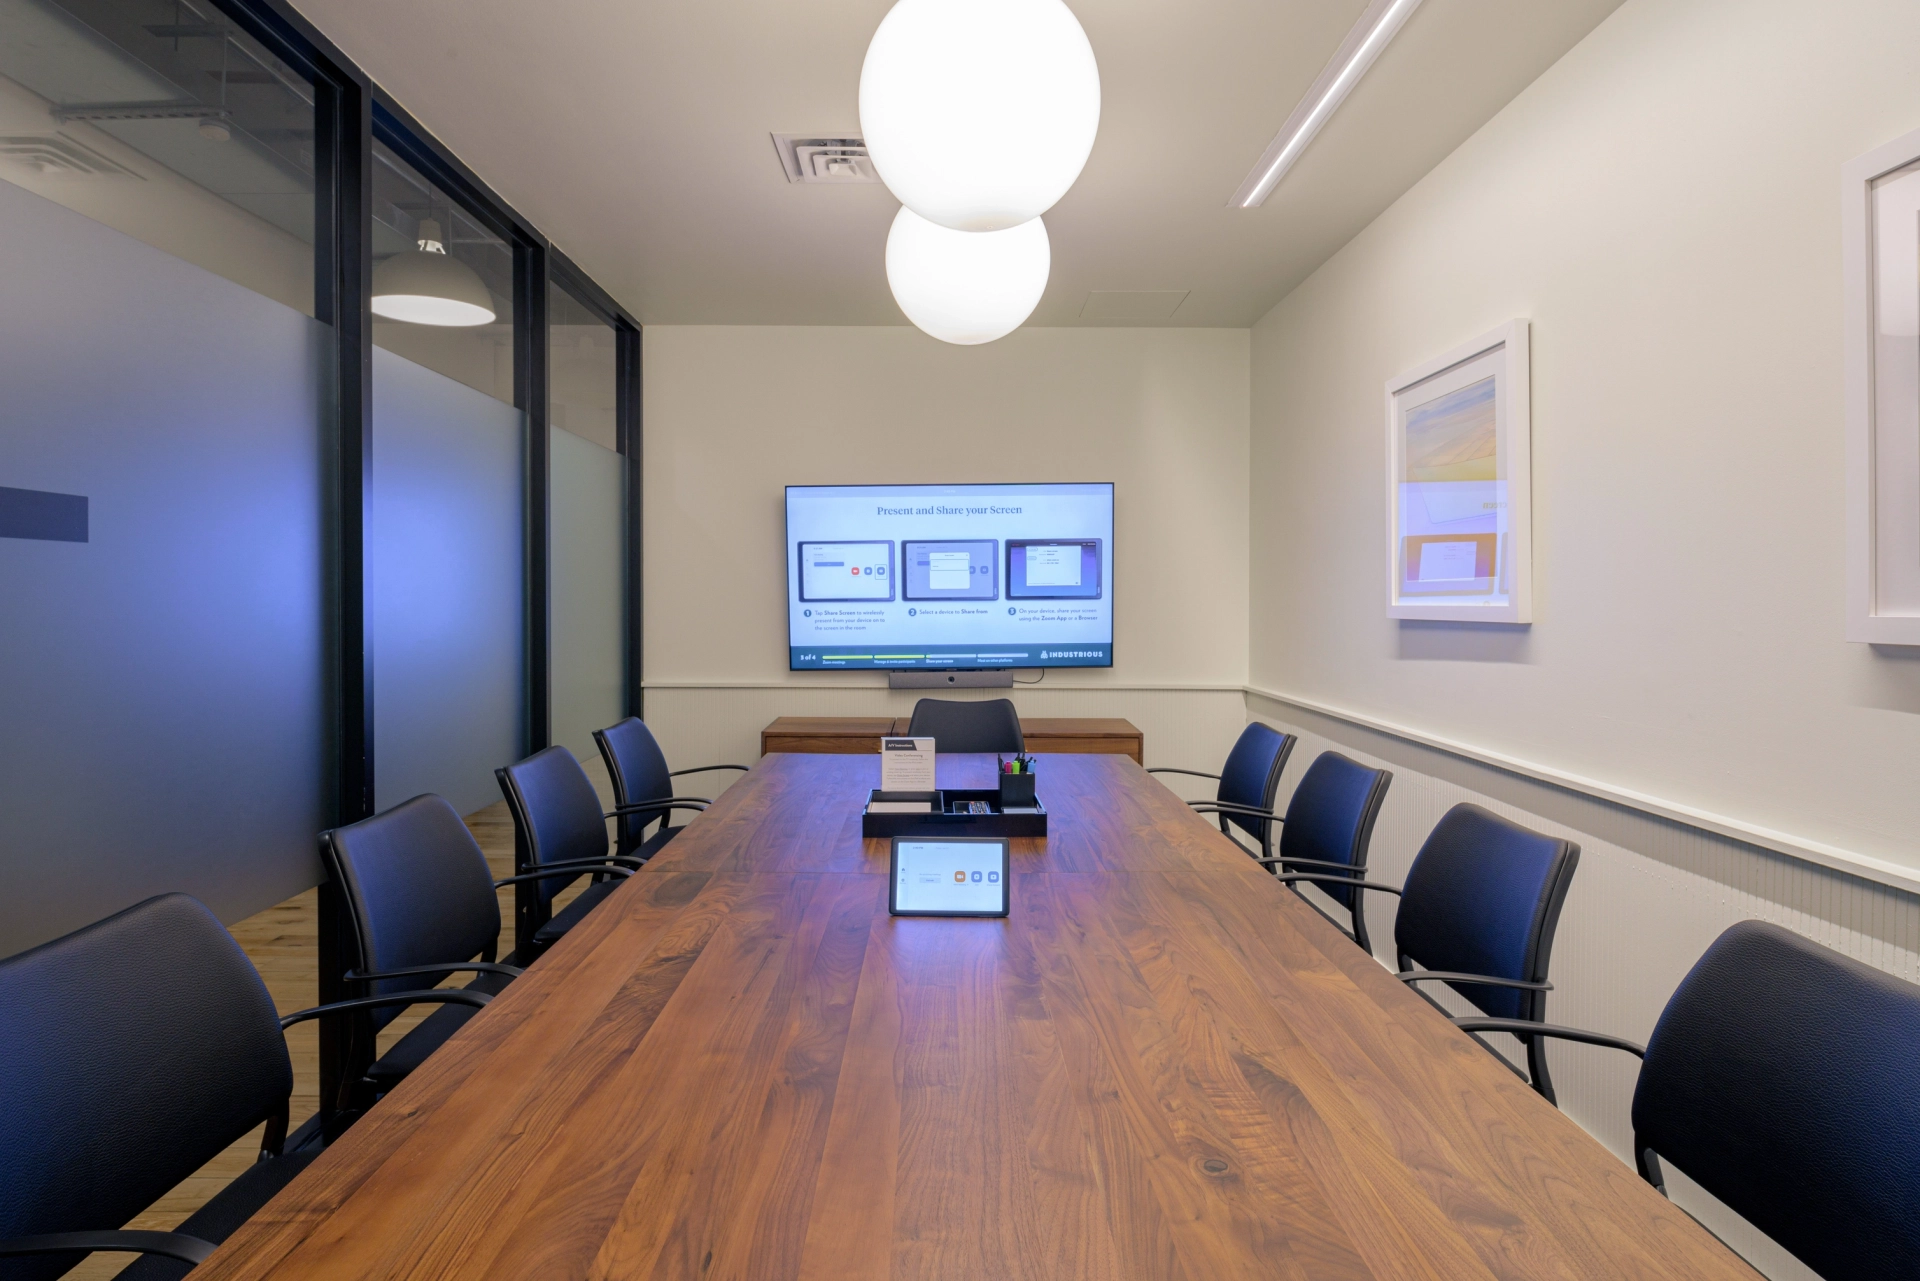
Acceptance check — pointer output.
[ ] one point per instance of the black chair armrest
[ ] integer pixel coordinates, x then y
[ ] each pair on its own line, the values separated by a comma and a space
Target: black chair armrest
1167, 769
425, 996
1347, 881
704, 769
1228, 807
1485, 980
478, 967
173, 1245
698, 803
1521, 1027
1350, 869
548, 871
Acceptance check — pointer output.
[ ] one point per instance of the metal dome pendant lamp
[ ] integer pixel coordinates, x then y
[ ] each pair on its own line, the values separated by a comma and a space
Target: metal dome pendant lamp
978, 115
429, 286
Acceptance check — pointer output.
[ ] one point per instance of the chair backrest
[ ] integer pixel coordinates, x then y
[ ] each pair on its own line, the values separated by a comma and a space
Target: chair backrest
556, 813
990, 726
1251, 775
1781, 1078
1483, 896
638, 769
133, 1051
418, 890
1330, 817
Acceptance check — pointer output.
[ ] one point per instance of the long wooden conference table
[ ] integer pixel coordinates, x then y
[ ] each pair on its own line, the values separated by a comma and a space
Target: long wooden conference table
1160, 1065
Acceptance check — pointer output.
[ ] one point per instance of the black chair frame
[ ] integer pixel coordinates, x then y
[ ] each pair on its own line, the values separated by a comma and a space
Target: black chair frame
529, 913
193, 1250
1226, 809
630, 838
1536, 1074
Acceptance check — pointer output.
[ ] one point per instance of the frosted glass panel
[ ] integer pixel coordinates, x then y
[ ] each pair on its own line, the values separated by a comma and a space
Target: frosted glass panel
444, 570
589, 632
161, 704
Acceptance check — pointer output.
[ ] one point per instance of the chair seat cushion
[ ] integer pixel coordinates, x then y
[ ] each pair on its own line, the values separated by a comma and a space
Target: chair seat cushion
574, 912
413, 1049
221, 1217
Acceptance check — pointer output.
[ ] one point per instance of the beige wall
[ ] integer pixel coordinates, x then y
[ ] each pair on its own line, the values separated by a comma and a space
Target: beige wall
733, 415
1664, 205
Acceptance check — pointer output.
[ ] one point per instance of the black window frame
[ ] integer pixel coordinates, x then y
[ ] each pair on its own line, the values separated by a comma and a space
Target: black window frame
350, 112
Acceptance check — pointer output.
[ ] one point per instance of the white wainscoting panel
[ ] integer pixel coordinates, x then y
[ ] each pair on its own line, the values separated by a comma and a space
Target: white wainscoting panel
1647, 899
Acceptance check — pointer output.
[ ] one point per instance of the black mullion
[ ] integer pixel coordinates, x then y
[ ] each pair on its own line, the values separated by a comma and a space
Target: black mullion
530, 364
627, 425
584, 291
530, 358
343, 287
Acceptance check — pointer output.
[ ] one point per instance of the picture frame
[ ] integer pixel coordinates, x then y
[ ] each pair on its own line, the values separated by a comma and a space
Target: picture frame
1460, 484
1880, 232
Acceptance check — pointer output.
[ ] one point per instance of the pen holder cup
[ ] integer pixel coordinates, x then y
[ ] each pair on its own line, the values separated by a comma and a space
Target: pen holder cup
1016, 789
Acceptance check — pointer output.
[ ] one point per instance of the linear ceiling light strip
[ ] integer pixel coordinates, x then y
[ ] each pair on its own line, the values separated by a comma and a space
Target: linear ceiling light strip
1371, 34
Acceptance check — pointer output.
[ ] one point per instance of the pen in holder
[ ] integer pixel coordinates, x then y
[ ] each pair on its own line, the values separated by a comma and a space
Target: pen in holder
1016, 783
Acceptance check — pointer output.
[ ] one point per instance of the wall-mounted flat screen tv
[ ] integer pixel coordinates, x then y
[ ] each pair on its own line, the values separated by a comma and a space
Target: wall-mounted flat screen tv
966, 577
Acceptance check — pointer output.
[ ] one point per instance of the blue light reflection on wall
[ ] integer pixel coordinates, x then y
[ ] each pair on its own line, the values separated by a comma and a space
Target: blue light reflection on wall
445, 584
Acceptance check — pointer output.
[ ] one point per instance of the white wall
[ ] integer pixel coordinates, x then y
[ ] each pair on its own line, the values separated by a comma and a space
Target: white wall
1664, 205
733, 415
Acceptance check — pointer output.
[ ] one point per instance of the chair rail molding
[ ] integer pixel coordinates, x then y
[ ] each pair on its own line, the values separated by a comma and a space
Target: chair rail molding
1864, 866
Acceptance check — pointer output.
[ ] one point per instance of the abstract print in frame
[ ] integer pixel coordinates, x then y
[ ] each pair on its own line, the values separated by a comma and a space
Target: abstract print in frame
1459, 485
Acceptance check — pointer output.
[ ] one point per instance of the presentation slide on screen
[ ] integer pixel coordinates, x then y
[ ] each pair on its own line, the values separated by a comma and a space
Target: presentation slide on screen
960, 576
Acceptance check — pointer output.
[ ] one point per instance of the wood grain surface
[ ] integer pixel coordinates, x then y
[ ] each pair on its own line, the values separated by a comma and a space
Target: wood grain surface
852, 735
1160, 1065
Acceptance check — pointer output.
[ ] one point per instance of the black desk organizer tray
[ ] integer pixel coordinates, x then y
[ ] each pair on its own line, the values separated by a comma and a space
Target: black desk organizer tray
943, 820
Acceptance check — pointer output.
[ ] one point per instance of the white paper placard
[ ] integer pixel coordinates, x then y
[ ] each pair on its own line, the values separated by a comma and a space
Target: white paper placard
906, 765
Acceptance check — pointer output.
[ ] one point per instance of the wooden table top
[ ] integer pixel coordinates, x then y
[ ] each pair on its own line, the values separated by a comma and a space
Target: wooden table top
1072, 725
1160, 1065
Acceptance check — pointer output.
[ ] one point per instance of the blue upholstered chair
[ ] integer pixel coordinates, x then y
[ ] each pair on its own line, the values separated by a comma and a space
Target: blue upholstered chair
1781, 1078
420, 907
558, 828
134, 1051
643, 787
1248, 783
1328, 826
988, 726
1478, 913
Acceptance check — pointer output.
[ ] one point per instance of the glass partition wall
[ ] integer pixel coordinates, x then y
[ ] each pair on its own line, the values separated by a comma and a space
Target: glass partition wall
356, 516
587, 516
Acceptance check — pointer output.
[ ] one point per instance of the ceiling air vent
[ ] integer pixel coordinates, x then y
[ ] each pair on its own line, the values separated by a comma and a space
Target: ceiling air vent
810, 158
57, 153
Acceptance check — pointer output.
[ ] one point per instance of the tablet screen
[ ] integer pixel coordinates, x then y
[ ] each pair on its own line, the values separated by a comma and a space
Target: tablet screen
949, 876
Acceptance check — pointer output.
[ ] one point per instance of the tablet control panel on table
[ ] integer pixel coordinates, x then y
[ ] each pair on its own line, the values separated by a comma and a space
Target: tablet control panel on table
948, 876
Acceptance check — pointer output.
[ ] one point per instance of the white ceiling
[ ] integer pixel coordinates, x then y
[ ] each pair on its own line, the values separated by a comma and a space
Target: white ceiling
636, 136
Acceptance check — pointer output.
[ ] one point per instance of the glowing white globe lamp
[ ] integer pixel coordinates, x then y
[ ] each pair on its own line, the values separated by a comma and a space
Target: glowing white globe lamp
428, 286
979, 114
967, 287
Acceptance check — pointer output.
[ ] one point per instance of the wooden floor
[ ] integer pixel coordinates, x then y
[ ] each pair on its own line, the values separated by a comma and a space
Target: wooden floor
282, 943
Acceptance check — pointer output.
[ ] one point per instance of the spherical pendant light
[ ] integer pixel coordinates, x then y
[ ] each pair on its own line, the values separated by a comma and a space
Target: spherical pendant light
966, 287
426, 286
979, 114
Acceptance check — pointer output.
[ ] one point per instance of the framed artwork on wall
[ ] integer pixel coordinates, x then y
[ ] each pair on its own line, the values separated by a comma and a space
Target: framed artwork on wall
1881, 233
1459, 485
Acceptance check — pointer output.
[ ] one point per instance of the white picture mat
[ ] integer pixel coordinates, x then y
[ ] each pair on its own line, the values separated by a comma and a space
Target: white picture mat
1503, 356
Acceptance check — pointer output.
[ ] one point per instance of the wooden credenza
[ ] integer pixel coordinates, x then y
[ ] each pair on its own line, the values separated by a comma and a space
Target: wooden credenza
848, 735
